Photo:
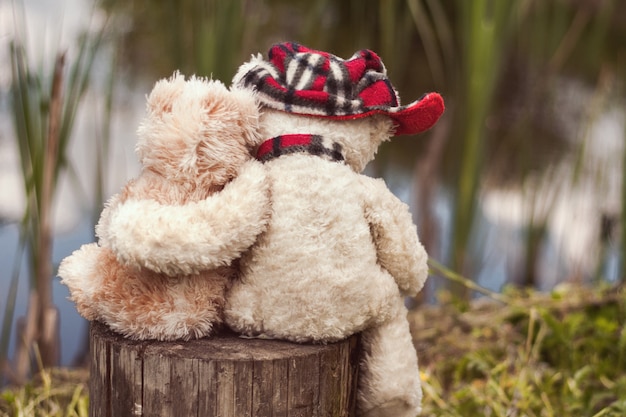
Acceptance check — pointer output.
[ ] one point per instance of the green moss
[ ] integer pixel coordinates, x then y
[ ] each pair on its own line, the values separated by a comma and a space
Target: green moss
557, 354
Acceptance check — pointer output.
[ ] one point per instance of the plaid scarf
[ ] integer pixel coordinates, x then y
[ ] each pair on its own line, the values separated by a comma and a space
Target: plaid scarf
296, 143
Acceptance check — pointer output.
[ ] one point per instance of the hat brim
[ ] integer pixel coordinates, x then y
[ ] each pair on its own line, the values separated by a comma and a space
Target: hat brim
411, 119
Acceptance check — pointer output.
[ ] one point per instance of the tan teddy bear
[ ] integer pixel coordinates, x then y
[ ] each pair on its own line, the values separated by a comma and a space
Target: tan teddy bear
194, 146
340, 252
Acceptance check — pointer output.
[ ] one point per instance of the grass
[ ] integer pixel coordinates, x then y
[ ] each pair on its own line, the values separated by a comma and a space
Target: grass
52, 393
522, 353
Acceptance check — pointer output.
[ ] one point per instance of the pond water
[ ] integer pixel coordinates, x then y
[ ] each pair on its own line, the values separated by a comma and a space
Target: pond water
573, 229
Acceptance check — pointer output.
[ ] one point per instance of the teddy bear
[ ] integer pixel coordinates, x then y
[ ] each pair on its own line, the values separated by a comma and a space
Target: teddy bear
194, 147
340, 252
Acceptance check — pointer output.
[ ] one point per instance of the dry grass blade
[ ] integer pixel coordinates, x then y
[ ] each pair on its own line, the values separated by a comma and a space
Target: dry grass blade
440, 269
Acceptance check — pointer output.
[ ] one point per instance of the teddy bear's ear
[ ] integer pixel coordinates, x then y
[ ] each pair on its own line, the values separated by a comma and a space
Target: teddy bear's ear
245, 68
248, 109
164, 93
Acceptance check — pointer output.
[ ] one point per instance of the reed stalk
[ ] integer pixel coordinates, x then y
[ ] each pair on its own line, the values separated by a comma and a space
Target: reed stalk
483, 26
544, 37
622, 269
44, 108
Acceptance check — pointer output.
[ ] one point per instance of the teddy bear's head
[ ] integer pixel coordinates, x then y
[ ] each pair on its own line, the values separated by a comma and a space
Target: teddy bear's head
197, 130
349, 102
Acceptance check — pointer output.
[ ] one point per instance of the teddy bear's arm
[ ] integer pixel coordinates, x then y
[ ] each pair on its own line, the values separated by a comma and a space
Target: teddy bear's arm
395, 235
185, 239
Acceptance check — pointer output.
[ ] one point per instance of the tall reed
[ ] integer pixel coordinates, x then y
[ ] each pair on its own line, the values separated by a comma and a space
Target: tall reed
622, 268
491, 56
484, 27
560, 37
44, 107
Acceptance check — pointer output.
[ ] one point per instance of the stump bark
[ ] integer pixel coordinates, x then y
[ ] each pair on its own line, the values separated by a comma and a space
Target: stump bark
222, 376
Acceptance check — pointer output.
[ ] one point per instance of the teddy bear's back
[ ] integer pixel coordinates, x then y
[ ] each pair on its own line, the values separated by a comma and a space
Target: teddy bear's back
314, 271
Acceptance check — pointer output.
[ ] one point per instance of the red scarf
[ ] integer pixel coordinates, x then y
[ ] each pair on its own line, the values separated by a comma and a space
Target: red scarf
287, 144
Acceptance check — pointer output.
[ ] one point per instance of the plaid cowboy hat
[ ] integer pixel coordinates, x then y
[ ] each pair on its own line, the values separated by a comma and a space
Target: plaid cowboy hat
300, 80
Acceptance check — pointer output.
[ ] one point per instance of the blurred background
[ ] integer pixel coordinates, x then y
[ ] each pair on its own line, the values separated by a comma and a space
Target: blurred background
520, 183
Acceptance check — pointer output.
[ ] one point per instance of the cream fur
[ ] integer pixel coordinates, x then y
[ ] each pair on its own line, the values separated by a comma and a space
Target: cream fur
195, 139
148, 233
339, 252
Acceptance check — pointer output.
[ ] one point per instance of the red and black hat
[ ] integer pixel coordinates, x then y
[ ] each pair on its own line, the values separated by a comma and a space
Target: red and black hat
300, 80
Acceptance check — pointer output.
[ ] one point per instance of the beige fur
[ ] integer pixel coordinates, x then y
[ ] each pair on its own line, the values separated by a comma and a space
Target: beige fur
195, 139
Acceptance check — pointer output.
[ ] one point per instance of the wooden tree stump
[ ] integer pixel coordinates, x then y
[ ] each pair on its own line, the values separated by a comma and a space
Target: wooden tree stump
222, 376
